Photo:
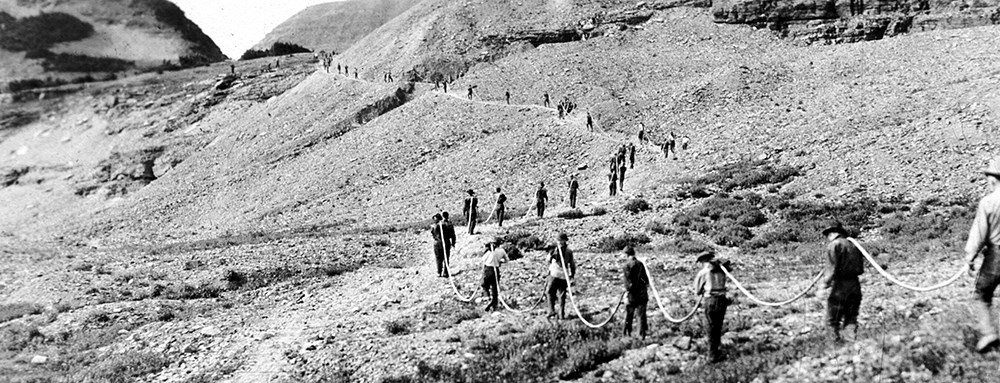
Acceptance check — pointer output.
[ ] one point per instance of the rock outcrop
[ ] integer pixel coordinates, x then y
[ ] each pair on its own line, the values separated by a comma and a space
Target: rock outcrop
854, 20
80, 40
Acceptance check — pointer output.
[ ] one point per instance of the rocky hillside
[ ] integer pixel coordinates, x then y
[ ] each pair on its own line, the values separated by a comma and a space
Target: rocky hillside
850, 21
271, 225
72, 39
335, 26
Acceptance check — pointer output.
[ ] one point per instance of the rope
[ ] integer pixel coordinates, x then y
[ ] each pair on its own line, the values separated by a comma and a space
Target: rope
447, 267
492, 213
900, 283
772, 304
569, 289
662, 307
496, 276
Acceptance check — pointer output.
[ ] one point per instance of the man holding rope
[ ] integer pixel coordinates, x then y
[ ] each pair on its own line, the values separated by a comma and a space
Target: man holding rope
557, 283
494, 256
500, 207
845, 265
711, 282
985, 236
437, 232
636, 285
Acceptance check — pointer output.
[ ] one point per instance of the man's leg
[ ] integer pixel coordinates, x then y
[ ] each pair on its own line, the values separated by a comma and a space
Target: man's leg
982, 306
495, 292
439, 258
851, 314
550, 288
629, 314
643, 324
834, 311
447, 260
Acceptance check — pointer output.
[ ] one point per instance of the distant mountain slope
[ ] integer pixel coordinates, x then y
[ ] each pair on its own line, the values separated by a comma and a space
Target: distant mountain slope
72, 38
337, 25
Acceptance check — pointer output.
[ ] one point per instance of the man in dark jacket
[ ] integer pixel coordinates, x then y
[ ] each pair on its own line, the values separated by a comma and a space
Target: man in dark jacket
845, 264
631, 156
449, 237
573, 187
437, 233
500, 207
471, 211
541, 197
984, 237
636, 285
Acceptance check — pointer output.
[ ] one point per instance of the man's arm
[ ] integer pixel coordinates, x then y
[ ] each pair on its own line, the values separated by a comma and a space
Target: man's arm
572, 263
831, 264
699, 284
626, 276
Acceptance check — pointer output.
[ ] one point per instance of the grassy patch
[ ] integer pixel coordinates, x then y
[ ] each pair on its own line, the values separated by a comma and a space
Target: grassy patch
540, 355
122, 368
636, 205
741, 175
613, 243
398, 327
598, 211
13, 311
571, 214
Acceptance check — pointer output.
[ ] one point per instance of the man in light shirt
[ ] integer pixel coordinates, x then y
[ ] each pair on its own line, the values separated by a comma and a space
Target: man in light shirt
985, 236
558, 280
492, 258
711, 282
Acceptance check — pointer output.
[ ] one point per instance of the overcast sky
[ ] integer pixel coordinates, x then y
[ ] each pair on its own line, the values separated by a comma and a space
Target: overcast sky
236, 25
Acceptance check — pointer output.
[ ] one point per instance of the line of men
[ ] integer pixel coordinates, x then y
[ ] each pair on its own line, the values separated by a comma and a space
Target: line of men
619, 166
470, 207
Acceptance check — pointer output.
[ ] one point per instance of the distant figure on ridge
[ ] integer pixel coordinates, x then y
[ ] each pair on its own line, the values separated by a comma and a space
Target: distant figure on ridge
541, 197
590, 122
573, 187
545, 99
506, 95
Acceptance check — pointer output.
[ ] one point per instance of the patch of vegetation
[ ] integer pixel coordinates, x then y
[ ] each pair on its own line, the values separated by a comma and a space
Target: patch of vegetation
571, 214
636, 205
725, 219
741, 175
540, 355
686, 244
123, 368
11, 311
610, 244
598, 211
19, 336
398, 327
68, 62
277, 49
42, 31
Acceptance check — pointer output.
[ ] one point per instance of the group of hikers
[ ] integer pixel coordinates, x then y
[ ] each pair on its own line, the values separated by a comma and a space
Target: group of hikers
844, 266
619, 166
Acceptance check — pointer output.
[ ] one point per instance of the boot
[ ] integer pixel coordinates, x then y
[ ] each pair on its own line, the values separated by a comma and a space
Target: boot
987, 327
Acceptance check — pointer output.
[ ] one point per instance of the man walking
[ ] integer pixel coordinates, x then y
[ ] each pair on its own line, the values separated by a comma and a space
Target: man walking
636, 285
541, 197
506, 95
437, 232
985, 236
631, 155
573, 187
470, 92
557, 283
613, 177
471, 211
711, 283
449, 237
845, 264
545, 100
494, 256
500, 206
590, 122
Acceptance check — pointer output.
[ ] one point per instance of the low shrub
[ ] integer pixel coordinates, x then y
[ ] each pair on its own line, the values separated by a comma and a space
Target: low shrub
398, 327
597, 211
11, 311
121, 368
571, 214
612, 244
636, 205
235, 279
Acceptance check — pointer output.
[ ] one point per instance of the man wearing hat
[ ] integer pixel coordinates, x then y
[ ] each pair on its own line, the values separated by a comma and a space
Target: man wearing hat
541, 197
492, 258
845, 265
500, 207
985, 236
557, 283
710, 282
471, 210
636, 285
437, 232
450, 240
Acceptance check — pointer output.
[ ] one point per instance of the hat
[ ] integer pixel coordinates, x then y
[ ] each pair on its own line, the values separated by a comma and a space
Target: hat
563, 237
705, 256
994, 168
628, 250
470, 191
436, 217
835, 227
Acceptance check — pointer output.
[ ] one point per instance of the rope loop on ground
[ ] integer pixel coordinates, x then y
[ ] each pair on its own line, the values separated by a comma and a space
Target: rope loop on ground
569, 290
771, 304
892, 279
447, 267
662, 307
504, 303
